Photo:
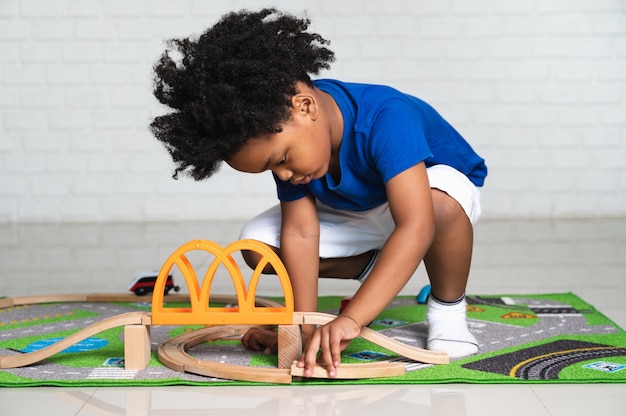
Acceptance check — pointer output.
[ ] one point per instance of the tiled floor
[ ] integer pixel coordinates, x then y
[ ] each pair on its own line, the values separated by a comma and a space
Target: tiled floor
587, 257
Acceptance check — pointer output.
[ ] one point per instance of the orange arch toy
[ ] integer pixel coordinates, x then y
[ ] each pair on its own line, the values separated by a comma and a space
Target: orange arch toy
200, 312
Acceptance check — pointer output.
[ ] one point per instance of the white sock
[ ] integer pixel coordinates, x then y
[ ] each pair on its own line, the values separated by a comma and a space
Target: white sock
447, 328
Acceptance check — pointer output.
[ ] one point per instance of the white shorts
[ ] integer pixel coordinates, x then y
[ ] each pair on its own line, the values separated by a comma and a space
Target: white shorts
348, 233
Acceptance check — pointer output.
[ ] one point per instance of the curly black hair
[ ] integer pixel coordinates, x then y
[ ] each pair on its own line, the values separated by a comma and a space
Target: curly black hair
234, 82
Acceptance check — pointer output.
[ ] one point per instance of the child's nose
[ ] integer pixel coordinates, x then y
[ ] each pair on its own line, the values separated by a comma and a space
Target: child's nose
283, 174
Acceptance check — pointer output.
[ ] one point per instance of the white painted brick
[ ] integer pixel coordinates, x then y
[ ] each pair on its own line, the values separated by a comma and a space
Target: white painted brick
570, 25
429, 8
526, 25
601, 6
126, 53
104, 30
92, 143
603, 136
83, 52
555, 182
93, 185
61, 186
23, 75
68, 120
80, 207
39, 209
24, 121
82, 98
121, 208
64, 162
109, 74
170, 9
11, 184
40, 52
9, 8
36, 142
137, 97
8, 98
122, 8
7, 212
592, 48
39, 98
513, 6
81, 8
440, 27
555, 6
492, 116
614, 71
347, 7
516, 93
396, 26
137, 30
113, 120
483, 27
9, 53
554, 47
464, 49
38, 8
67, 74
47, 30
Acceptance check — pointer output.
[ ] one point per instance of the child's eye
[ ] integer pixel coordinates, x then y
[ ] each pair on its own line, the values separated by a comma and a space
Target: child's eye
282, 160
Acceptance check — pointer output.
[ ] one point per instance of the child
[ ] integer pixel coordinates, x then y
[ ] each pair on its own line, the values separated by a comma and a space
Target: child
370, 181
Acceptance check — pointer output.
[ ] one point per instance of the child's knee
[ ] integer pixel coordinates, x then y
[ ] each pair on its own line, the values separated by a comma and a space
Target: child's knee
447, 209
252, 258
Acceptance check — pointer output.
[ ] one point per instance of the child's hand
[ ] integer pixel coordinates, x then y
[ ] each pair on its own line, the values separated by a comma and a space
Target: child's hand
259, 339
331, 338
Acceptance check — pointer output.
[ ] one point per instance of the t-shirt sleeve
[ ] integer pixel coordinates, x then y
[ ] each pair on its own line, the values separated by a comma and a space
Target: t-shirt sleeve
289, 192
397, 140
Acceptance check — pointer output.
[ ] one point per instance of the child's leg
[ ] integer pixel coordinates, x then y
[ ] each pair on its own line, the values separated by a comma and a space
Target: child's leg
448, 263
348, 240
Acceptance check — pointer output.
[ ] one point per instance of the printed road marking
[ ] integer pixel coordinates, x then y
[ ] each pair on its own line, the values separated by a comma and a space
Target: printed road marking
112, 373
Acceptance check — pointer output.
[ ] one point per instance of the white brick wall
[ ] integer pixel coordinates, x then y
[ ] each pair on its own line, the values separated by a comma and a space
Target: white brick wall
538, 87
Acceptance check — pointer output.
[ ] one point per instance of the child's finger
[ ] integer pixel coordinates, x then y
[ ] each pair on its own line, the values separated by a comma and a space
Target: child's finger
309, 355
327, 353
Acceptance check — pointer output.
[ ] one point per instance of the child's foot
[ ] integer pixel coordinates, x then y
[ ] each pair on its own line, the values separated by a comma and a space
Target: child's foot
447, 328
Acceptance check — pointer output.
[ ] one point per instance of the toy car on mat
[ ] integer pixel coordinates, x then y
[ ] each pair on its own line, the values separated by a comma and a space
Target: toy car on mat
144, 283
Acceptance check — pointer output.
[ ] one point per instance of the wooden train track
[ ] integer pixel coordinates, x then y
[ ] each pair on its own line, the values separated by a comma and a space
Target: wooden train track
173, 353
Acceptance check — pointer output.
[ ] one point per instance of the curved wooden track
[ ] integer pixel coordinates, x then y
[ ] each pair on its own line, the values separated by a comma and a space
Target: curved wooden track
414, 353
173, 354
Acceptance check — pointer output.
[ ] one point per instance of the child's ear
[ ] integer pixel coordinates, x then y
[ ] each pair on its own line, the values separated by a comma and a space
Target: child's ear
305, 105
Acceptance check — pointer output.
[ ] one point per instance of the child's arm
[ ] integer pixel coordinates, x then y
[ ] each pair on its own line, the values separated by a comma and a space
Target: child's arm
299, 248
411, 206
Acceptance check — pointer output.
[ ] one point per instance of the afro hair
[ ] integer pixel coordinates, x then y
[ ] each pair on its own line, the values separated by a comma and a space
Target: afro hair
233, 83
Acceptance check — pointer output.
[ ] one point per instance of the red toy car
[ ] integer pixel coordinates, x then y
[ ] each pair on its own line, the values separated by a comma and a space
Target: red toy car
144, 284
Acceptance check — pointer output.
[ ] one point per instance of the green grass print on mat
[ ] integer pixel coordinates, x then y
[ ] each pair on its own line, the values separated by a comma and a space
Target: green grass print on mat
548, 338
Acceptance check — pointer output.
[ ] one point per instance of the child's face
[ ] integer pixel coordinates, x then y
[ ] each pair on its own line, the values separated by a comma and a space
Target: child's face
299, 153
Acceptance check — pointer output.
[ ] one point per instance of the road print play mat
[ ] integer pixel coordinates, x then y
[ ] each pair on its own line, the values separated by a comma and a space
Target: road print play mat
552, 338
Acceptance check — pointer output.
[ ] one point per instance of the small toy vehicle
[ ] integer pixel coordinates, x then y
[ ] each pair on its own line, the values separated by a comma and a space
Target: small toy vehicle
144, 283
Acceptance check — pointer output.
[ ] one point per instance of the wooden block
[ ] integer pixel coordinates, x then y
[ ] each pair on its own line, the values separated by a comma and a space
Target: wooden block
354, 371
289, 345
6, 303
136, 347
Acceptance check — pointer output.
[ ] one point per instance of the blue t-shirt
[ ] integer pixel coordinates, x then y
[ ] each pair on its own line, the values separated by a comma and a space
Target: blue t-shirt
385, 133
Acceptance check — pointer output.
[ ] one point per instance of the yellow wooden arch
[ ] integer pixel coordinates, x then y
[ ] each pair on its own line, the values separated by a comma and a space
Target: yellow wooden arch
201, 313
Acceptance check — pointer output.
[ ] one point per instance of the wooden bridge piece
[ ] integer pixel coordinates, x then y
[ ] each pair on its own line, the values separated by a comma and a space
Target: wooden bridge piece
201, 312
